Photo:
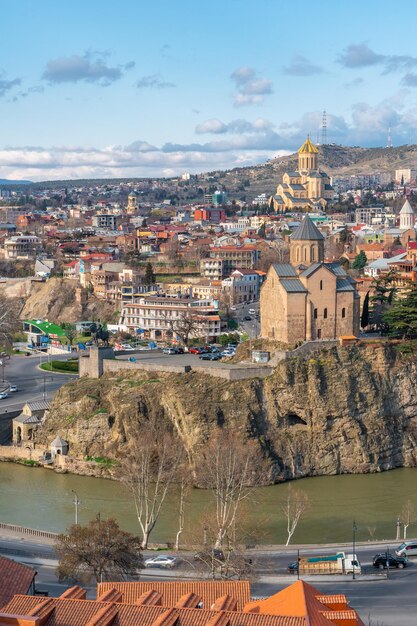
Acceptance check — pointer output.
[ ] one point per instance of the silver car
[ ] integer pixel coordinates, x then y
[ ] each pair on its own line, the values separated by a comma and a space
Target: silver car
408, 548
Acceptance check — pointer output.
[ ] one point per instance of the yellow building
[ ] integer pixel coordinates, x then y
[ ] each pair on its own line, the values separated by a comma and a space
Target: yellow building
308, 299
307, 188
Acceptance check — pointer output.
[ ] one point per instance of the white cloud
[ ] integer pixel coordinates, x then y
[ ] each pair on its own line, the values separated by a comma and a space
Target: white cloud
250, 88
91, 67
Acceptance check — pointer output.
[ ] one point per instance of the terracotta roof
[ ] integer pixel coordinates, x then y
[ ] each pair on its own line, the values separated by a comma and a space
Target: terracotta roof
209, 591
302, 600
69, 612
14, 578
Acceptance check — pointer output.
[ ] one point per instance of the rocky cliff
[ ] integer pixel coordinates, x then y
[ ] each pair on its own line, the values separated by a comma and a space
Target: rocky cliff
345, 410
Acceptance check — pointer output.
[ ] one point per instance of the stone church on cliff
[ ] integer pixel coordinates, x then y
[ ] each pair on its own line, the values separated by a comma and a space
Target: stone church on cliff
308, 299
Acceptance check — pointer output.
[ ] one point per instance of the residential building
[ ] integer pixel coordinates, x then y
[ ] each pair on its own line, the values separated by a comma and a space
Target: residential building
242, 286
371, 215
405, 176
235, 257
306, 189
211, 268
163, 318
209, 214
22, 247
107, 221
308, 299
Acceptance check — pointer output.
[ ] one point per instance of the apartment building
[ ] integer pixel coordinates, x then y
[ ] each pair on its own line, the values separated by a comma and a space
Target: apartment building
164, 318
22, 247
211, 268
242, 286
235, 257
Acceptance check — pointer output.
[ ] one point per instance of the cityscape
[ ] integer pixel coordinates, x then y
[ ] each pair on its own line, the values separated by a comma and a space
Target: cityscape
208, 314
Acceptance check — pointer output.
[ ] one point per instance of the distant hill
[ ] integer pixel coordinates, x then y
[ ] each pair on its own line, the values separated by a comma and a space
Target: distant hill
6, 181
333, 159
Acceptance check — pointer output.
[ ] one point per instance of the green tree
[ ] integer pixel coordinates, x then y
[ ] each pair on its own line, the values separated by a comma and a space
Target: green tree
383, 292
149, 275
262, 231
401, 318
101, 548
360, 261
365, 312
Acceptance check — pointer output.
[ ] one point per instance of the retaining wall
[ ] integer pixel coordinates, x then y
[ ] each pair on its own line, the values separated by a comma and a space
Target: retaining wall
28, 531
12, 453
235, 373
111, 365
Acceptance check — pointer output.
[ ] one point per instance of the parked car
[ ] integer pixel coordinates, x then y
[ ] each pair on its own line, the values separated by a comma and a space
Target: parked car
179, 350
228, 353
13, 388
210, 356
195, 350
161, 561
127, 346
380, 560
252, 312
4, 395
169, 351
248, 318
207, 555
406, 549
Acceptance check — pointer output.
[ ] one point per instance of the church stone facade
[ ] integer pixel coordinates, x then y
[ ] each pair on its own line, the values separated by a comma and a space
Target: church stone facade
308, 299
307, 188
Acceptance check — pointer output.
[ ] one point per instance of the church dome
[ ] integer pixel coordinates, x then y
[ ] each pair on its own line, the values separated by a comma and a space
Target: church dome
307, 231
308, 147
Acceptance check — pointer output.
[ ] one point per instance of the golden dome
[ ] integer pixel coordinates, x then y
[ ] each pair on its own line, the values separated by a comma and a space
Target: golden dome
308, 147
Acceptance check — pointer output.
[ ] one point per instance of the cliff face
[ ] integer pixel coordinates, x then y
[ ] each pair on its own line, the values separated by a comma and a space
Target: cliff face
350, 410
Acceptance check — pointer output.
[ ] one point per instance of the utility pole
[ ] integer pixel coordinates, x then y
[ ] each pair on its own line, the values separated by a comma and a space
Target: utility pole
77, 503
354, 529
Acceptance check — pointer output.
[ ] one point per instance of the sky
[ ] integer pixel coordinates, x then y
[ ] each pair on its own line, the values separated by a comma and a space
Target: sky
102, 89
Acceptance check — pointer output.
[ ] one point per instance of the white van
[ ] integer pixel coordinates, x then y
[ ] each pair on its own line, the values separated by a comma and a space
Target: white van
408, 548
252, 312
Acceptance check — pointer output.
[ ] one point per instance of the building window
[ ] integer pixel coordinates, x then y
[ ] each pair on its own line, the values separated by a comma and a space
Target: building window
315, 314
319, 333
343, 312
321, 285
325, 314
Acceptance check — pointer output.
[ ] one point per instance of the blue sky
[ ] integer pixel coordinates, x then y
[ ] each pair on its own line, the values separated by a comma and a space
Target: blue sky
135, 88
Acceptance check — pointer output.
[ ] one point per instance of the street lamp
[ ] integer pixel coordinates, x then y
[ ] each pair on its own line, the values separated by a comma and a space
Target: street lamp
76, 503
354, 529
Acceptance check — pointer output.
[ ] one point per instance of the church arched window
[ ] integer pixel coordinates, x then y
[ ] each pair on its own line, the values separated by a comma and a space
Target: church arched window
305, 253
312, 253
343, 312
321, 285
325, 314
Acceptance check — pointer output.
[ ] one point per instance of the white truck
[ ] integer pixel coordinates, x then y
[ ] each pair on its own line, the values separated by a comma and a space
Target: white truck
339, 563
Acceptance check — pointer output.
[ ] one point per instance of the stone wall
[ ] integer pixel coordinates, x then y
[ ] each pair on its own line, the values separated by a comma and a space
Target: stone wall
14, 453
115, 366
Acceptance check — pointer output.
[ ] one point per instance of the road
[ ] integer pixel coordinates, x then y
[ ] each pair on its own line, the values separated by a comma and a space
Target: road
250, 327
388, 602
33, 383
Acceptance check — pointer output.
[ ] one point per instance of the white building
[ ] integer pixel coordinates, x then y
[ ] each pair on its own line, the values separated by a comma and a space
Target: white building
405, 176
242, 286
167, 318
22, 247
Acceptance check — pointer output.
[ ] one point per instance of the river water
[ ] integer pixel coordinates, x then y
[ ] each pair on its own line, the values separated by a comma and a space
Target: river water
40, 498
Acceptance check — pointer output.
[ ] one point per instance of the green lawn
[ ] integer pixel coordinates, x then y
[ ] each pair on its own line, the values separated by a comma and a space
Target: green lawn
70, 367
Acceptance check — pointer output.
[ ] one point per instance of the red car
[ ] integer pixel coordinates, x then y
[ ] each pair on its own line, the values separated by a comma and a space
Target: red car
195, 350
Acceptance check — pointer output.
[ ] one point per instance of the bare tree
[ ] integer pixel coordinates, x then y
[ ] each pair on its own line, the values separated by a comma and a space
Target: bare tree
295, 505
184, 490
187, 325
231, 467
8, 319
148, 472
407, 516
101, 548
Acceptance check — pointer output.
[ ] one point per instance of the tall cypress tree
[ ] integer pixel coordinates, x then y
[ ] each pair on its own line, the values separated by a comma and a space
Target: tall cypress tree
365, 312
149, 275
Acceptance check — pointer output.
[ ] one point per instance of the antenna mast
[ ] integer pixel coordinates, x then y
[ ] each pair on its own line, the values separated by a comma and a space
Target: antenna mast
324, 129
389, 142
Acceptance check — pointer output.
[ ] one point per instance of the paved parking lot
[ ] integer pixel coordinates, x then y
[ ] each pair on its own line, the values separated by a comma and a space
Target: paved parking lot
156, 357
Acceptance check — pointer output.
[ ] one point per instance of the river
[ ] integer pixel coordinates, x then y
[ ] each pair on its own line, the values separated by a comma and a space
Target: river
40, 498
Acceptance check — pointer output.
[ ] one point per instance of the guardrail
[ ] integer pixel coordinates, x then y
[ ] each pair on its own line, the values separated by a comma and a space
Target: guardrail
29, 531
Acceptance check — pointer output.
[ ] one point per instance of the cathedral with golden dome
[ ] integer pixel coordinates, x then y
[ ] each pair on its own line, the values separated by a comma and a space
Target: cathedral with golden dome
307, 189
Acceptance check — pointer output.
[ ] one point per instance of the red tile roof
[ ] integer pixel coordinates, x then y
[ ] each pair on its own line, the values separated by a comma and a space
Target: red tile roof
14, 578
209, 591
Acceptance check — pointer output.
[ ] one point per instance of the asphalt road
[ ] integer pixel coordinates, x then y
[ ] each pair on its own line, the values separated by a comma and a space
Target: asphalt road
33, 384
386, 601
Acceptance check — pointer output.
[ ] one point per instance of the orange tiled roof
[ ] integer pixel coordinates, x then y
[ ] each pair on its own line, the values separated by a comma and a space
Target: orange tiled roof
303, 600
14, 578
69, 612
209, 591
